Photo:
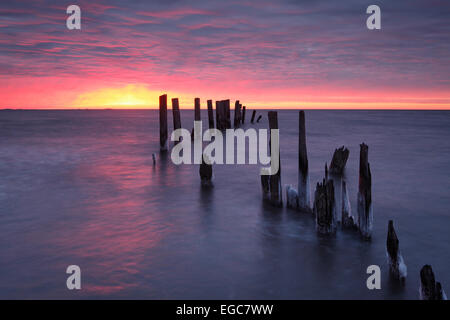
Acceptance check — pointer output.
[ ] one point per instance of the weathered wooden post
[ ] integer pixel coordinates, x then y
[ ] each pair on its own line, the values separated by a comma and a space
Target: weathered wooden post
221, 111
243, 114
218, 105
176, 115
337, 166
275, 179
197, 116
205, 172
237, 114
291, 197
339, 160
365, 213
259, 118
163, 132
304, 193
429, 288
210, 114
154, 158
228, 114
324, 207
253, 116
348, 221
265, 186
397, 266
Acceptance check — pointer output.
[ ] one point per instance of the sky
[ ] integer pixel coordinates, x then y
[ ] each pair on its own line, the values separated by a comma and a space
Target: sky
267, 54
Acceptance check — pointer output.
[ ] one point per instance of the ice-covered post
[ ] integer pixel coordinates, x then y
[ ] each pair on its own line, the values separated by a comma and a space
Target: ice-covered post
324, 207
243, 114
429, 288
397, 266
163, 132
210, 114
253, 116
304, 193
348, 221
275, 179
365, 213
339, 160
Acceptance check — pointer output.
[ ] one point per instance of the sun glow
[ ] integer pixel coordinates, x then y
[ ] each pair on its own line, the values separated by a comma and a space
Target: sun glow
137, 96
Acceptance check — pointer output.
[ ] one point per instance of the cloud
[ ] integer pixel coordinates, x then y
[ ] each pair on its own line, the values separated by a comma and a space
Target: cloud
246, 45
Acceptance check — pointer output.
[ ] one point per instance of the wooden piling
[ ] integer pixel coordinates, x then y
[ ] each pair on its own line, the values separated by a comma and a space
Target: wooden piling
243, 114
228, 114
429, 288
222, 120
218, 115
176, 115
340, 157
348, 221
163, 132
304, 193
365, 213
197, 116
396, 265
324, 207
205, 172
253, 116
259, 118
210, 114
237, 114
275, 179
265, 186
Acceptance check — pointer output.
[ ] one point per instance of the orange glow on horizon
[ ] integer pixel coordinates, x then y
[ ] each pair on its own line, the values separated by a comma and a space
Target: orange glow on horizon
140, 97
76, 94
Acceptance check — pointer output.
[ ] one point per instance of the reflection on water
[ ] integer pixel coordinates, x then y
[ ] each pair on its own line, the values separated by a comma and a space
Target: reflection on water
80, 187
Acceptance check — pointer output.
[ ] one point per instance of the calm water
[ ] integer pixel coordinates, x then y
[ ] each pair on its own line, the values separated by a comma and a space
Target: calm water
79, 187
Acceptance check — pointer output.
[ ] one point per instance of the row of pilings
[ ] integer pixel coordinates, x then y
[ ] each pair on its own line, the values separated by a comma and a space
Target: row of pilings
330, 206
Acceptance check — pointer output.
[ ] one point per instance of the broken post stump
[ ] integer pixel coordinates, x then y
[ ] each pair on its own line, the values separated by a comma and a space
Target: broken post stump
205, 172
163, 132
397, 266
265, 187
339, 160
243, 114
429, 288
291, 197
275, 179
304, 201
365, 213
324, 207
210, 114
253, 116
